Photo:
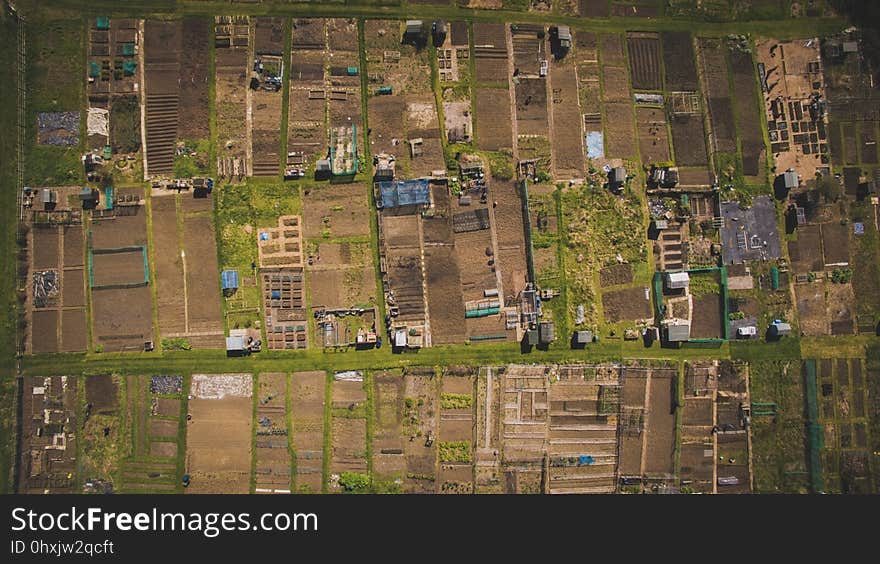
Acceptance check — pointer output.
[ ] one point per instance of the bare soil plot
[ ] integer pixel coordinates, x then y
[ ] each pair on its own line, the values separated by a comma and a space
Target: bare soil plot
494, 131
616, 275
619, 129
389, 460
457, 408
163, 449
812, 310
444, 294
679, 61
510, 235
850, 145
707, 322
102, 392
644, 60
531, 106
716, 85
688, 140
230, 100
265, 105
660, 427
307, 123
348, 445
567, 140
73, 289
420, 414
219, 436
632, 422
490, 52
593, 8
203, 290
162, 48
166, 407
46, 247
73, 245
841, 308
273, 451
169, 266
615, 84
118, 268
653, 136
421, 122
626, 305
868, 142
193, 121
835, 243
528, 47
806, 251
748, 113
635, 10
163, 428
338, 210
307, 393
385, 115
74, 335
218, 445
612, 49
342, 288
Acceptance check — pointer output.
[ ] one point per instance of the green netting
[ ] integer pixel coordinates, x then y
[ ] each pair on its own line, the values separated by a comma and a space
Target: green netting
487, 337
128, 49
814, 434
482, 312
128, 67
103, 22
94, 69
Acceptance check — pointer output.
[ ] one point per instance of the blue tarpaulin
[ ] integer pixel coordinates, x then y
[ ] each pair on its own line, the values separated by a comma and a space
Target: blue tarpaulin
582, 460
595, 145
229, 279
396, 193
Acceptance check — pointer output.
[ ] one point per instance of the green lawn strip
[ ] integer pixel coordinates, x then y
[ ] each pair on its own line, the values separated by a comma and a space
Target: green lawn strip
484, 354
9, 323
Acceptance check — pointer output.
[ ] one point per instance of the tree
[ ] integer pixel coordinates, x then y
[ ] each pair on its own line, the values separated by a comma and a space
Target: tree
829, 188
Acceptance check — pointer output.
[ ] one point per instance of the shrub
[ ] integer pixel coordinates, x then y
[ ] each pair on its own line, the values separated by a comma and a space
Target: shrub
456, 401
841, 275
354, 482
455, 451
176, 344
